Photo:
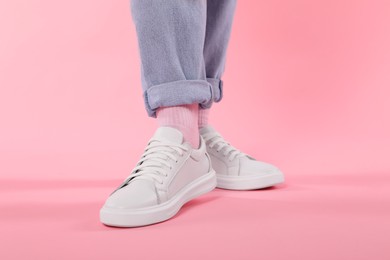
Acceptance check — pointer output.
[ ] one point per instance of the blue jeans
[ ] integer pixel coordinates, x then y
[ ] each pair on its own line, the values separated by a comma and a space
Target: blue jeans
182, 46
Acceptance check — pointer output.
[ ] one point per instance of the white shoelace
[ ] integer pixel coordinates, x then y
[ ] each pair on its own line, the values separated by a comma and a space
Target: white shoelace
154, 163
217, 140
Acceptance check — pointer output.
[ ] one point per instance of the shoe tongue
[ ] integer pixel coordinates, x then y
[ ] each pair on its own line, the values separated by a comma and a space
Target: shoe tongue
168, 134
206, 129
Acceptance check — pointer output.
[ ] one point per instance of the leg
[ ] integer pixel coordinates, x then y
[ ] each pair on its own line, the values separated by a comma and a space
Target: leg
218, 28
171, 35
219, 23
235, 170
171, 171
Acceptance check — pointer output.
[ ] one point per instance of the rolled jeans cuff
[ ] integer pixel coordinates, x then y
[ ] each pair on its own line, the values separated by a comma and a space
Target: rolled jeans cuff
217, 86
176, 93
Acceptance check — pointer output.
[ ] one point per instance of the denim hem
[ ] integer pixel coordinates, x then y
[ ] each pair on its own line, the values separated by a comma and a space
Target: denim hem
179, 92
217, 85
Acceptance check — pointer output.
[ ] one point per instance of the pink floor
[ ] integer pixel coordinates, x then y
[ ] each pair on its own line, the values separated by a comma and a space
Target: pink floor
310, 217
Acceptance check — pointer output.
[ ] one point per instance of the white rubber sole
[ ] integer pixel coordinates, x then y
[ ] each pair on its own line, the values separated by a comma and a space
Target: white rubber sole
146, 216
253, 182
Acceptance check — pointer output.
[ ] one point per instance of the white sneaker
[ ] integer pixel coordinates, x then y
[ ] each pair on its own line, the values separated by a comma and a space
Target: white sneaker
236, 170
169, 173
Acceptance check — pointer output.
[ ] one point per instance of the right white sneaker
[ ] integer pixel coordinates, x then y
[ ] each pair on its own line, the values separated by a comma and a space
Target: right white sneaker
235, 169
169, 173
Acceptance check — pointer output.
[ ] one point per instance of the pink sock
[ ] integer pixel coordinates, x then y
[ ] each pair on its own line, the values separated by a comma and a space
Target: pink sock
184, 118
203, 117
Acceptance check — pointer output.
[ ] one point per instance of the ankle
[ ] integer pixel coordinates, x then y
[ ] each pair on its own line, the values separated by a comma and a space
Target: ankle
182, 117
203, 117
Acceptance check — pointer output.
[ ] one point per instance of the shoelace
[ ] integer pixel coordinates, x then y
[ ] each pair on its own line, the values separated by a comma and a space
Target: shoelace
154, 162
217, 140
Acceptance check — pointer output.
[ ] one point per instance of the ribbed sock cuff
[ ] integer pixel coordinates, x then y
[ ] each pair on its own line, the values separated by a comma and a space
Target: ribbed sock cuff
184, 118
203, 117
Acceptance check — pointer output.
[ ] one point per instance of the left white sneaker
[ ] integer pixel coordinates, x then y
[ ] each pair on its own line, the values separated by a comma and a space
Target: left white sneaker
169, 173
236, 170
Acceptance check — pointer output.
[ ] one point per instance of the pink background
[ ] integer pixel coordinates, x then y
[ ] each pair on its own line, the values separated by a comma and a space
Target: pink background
307, 87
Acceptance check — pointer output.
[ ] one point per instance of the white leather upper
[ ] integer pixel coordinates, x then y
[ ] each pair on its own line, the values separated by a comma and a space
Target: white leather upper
241, 165
137, 194
167, 165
